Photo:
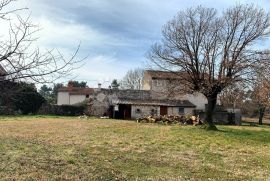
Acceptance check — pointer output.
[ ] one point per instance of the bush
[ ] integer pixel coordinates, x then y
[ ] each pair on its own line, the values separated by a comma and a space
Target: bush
19, 97
70, 110
5, 110
28, 102
62, 110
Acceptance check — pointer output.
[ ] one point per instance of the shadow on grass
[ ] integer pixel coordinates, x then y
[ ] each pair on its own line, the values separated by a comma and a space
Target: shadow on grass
257, 135
246, 123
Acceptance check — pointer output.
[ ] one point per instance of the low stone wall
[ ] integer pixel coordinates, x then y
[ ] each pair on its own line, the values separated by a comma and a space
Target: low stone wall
224, 117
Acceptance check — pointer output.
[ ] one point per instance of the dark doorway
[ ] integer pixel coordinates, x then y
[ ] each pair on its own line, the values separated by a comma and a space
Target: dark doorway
124, 112
111, 111
163, 110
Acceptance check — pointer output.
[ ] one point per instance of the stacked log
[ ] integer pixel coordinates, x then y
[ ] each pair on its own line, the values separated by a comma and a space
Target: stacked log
170, 119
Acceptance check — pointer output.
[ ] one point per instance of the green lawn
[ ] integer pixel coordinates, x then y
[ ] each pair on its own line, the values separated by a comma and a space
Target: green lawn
55, 148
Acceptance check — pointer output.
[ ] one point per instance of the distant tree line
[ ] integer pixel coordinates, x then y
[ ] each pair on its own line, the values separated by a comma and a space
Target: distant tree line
19, 98
50, 93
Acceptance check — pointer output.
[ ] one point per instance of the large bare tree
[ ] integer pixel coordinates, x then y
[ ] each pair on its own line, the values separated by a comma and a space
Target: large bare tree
133, 79
214, 50
19, 60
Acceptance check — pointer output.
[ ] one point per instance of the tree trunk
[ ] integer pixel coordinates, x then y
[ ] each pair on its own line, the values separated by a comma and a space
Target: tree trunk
212, 101
261, 114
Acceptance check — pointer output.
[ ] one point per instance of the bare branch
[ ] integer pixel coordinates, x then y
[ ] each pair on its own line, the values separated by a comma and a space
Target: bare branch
23, 62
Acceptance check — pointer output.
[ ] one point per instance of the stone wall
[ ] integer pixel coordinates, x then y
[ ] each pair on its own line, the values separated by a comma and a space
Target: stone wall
138, 111
223, 117
175, 111
99, 102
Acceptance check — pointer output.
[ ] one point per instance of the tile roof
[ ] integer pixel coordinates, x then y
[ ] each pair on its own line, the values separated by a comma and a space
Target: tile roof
165, 74
132, 97
76, 90
134, 94
171, 103
170, 75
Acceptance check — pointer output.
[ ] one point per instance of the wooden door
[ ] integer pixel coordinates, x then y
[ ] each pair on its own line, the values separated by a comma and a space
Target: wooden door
127, 112
163, 110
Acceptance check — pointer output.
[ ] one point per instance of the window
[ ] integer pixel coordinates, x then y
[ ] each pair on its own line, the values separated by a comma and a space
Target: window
154, 82
153, 112
87, 96
159, 82
138, 111
181, 110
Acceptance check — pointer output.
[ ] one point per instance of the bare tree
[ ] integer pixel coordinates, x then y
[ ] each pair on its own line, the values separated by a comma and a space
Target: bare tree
210, 51
233, 96
133, 79
114, 85
19, 60
260, 94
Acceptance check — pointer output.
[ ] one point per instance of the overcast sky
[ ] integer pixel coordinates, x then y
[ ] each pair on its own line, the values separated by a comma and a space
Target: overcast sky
114, 34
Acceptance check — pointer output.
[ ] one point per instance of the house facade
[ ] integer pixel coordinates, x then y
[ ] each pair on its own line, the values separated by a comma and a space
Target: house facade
73, 95
154, 99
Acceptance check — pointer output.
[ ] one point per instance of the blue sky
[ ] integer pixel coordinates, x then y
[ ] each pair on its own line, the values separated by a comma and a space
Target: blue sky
114, 34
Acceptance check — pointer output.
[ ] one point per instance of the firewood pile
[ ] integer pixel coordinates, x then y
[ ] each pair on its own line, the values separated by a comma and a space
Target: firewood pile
169, 119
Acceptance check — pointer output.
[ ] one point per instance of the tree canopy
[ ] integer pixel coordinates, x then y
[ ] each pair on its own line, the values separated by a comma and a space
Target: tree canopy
75, 83
19, 97
210, 51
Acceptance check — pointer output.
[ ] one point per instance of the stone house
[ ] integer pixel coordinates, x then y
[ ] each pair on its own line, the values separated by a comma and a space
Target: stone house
154, 99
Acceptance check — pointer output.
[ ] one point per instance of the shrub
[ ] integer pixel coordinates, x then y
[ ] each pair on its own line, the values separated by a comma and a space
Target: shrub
70, 110
62, 110
5, 110
19, 97
28, 102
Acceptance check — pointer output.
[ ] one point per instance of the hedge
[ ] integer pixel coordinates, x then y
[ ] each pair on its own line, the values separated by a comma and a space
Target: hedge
62, 110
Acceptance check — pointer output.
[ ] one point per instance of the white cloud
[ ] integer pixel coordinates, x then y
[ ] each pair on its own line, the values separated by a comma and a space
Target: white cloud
100, 69
115, 35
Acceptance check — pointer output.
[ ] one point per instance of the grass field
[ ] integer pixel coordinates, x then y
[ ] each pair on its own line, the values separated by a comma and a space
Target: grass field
51, 148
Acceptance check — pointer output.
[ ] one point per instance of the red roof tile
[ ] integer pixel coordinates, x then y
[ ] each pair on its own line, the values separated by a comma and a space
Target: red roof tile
76, 90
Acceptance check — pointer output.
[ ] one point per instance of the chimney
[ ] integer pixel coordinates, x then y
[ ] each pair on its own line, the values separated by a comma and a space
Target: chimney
70, 84
99, 85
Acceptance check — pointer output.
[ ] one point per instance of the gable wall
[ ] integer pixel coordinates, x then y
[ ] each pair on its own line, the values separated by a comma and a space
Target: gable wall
62, 98
75, 99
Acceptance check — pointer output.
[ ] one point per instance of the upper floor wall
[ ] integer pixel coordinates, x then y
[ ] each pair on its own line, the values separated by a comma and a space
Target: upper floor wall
165, 85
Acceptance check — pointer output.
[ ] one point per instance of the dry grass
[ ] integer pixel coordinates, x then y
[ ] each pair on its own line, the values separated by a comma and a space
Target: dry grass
36, 148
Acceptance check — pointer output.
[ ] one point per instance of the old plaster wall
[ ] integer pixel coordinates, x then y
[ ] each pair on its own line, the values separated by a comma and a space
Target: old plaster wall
62, 98
75, 99
138, 111
175, 111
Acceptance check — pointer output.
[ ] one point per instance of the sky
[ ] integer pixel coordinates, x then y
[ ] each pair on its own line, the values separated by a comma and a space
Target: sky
115, 35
